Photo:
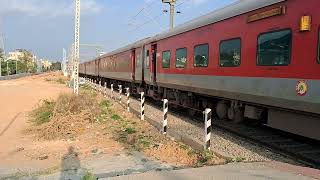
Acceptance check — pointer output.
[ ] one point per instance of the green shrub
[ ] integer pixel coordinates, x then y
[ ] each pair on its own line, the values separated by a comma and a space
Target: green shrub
105, 104
115, 117
130, 130
89, 176
43, 113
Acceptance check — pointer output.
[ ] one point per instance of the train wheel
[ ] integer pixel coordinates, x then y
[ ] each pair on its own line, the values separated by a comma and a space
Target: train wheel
238, 116
222, 110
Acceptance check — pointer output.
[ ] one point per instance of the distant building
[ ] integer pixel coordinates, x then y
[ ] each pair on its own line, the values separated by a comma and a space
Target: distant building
46, 64
16, 55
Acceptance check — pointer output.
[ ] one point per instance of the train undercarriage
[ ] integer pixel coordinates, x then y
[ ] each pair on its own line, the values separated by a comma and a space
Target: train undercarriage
294, 122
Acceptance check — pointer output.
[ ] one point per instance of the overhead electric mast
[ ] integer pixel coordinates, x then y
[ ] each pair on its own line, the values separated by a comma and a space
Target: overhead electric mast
76, 55
172, 4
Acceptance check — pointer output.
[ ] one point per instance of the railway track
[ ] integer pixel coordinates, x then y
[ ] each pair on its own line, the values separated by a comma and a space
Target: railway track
302, 150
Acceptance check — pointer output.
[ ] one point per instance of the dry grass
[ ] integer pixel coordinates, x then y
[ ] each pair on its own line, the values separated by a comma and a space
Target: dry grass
70, 116
139, 135
67, 117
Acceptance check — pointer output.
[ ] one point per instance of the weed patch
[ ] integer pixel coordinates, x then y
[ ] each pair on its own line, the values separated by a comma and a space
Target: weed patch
43, 113
115, 117
89, 176
66, 117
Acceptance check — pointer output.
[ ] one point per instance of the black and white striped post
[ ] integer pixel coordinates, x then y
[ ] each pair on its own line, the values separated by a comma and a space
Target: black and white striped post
111, 91
207, 121
100, 86
165, 116
105, 89
95, 84
128, 99
120, 94
142, 105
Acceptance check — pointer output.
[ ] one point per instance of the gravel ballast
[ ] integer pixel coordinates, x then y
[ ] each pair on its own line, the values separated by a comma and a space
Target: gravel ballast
222, 142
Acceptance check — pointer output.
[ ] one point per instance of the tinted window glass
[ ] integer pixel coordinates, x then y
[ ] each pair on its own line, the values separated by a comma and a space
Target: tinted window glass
230, 53
148, 59
201, 54
319, 47
166, 59
181, 58
274, 48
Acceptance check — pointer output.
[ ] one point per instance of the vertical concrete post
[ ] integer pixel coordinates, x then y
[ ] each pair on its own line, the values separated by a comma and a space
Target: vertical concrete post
95, 84
99, 86
120, 93
207, 121
142, 105
128, 99
105, 89
111, 91
165, 116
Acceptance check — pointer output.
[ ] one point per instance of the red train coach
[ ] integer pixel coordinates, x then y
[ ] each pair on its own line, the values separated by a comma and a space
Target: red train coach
252, 59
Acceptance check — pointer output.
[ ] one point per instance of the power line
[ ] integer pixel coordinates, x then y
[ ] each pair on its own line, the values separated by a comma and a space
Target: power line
142, 9
155, 17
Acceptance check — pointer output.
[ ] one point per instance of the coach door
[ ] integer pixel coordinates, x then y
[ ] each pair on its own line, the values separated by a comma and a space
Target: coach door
154, 62
133, 64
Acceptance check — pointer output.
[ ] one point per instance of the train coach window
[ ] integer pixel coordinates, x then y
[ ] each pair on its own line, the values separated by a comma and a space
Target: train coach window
201, 55
274, 48
148, 59
181, 57
230, 53
166, 55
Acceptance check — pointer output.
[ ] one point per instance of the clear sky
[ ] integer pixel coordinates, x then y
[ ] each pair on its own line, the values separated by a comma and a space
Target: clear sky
46, 26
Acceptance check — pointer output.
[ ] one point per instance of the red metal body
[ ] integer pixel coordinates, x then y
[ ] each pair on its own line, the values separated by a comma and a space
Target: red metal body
304, 45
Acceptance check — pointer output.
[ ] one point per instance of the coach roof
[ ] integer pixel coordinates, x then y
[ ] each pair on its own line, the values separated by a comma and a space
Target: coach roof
237, 8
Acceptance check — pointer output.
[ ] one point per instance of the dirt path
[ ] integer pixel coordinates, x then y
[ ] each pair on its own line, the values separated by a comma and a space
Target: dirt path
17, 98
25, 155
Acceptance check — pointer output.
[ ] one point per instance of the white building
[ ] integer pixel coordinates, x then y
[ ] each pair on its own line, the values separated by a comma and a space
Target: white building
16, 55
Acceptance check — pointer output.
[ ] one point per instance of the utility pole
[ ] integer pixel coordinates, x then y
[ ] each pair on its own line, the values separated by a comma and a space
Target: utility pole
2, 45
64, 62
172, 4
76, 48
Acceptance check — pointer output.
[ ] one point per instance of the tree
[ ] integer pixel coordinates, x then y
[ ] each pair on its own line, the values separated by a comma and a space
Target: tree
1, 60
27, 62
55, 66
1, 54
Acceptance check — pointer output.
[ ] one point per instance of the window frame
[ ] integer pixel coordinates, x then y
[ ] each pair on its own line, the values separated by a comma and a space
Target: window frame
186, 57
257, 47
318, 47
148, 55
220, 52
194, 58
162, 59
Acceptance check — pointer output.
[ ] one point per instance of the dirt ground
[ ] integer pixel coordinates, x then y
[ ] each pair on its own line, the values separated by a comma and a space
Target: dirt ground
23, 152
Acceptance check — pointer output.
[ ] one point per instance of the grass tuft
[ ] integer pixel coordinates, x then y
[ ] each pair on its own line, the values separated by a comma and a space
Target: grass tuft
89, 176
115, 117
105, 104
130, 130
43, 113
